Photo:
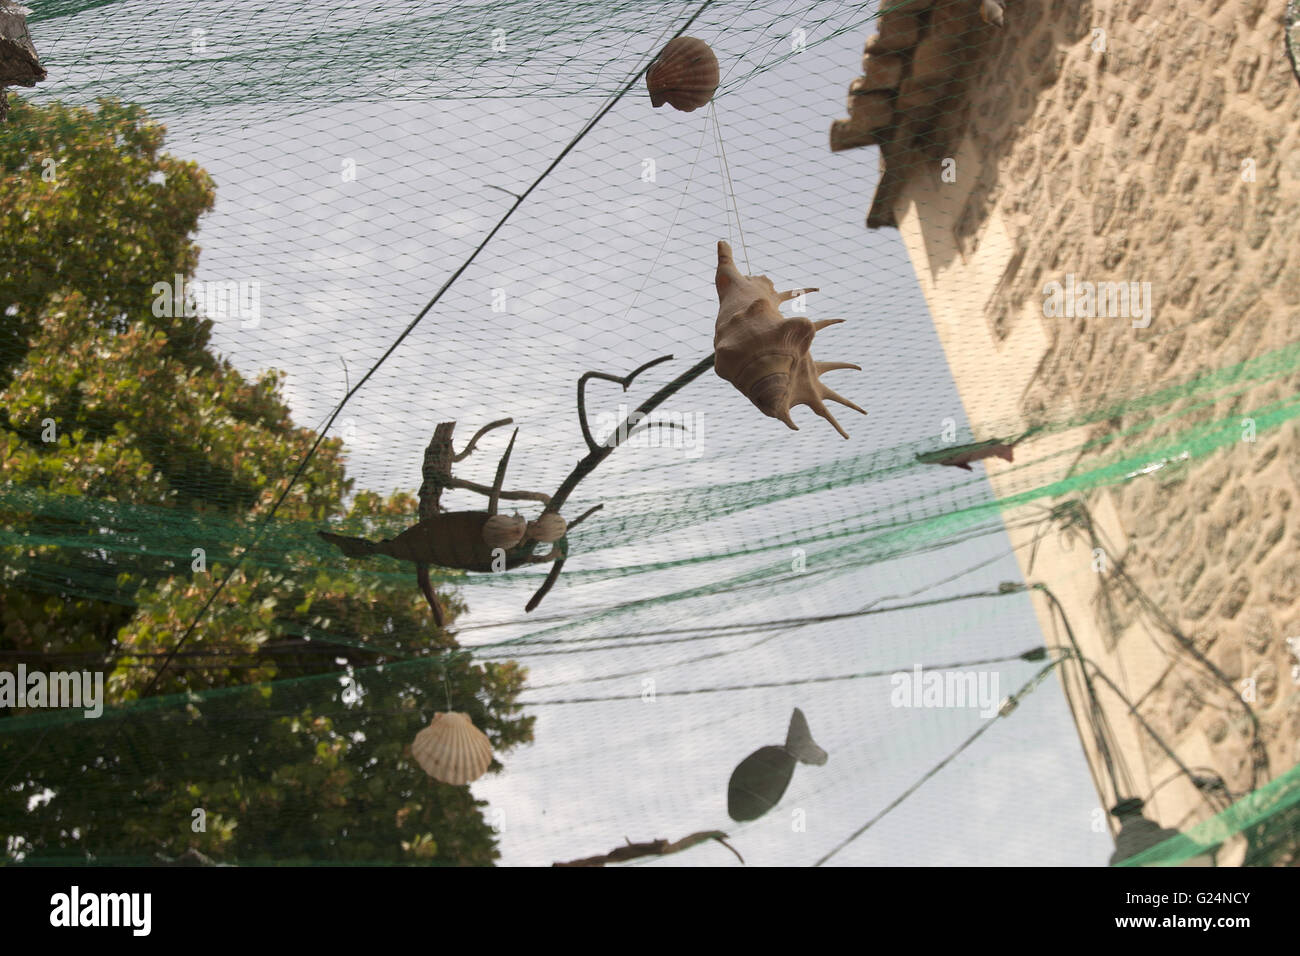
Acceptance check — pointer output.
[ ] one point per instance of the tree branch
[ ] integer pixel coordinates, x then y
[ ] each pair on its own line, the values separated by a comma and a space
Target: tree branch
479, 434
625, 381
599, 453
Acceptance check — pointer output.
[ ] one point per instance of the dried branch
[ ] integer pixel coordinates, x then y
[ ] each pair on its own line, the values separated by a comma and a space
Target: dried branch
495, 495
479, 434
583, 517
504, 495
599, 453
654, 848
625, 381
438, 459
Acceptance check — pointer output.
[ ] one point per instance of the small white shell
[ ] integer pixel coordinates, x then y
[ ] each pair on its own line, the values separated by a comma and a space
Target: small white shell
547, 529
504, 531
452, 749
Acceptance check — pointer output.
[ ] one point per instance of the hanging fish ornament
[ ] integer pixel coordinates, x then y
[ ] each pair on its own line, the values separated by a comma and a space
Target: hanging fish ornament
961, 456
766, 354
451, 749
758, 784
684, 75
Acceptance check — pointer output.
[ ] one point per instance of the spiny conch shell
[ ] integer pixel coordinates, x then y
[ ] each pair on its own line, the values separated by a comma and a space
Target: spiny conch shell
547, 529
766, 354
504, 531
684, 75
452, 749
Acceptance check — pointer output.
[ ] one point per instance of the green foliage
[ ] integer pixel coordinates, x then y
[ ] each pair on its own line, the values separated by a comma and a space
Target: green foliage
137, 465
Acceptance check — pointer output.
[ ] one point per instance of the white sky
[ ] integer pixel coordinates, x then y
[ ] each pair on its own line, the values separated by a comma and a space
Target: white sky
603, 270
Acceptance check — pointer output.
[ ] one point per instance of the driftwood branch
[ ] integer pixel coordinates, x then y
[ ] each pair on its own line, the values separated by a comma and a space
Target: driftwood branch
599, 453
438, 459
479, 434
583, 517
654, 848
495, 495
504, 495
625, 381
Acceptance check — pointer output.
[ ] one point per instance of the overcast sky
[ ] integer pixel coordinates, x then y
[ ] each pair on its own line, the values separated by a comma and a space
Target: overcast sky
605, 267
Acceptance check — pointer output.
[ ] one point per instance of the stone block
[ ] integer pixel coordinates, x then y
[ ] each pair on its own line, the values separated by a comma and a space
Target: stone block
899, 30
880, 72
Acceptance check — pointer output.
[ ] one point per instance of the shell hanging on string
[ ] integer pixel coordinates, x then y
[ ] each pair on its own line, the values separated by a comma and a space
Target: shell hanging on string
684, 75
766, 354
504, 531
451, 749
547, 529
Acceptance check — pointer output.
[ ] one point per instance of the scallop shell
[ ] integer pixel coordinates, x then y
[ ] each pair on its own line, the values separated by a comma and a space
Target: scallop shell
684, 75
549, 528
504, 531
766, 354
452, 749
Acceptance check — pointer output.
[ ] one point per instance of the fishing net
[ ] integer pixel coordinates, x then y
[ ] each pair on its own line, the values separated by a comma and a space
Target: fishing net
263, 689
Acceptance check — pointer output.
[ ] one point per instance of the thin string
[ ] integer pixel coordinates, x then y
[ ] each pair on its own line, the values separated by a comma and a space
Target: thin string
730, 187
673, 225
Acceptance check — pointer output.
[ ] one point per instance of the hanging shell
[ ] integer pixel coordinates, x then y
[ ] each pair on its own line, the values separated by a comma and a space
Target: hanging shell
504, 531
547, 529
452, 749
684, 75
766, 354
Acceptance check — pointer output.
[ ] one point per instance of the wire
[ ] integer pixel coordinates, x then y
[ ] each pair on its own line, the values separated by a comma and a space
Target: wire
730, 186
766, 685
1027, 688
1099, 724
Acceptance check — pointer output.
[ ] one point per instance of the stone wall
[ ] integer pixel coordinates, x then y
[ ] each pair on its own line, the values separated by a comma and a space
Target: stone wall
1131, 140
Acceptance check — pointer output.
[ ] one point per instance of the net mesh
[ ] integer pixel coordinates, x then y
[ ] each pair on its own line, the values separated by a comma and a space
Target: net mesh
344, 162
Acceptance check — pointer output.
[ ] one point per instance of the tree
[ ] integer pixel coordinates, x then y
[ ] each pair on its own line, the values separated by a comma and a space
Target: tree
137, 468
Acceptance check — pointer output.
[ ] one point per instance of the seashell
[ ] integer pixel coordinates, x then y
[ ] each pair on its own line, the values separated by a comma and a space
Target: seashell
766, 354
684, 75
452, 749
549, 528
504, 531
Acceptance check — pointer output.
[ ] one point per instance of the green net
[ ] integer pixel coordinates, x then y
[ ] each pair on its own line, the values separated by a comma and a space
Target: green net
325, 172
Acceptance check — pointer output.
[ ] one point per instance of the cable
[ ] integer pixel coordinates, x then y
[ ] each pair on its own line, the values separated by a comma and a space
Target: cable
767, 685
1027, 688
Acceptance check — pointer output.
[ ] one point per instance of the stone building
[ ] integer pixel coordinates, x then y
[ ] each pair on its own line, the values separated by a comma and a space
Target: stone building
1122, 141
